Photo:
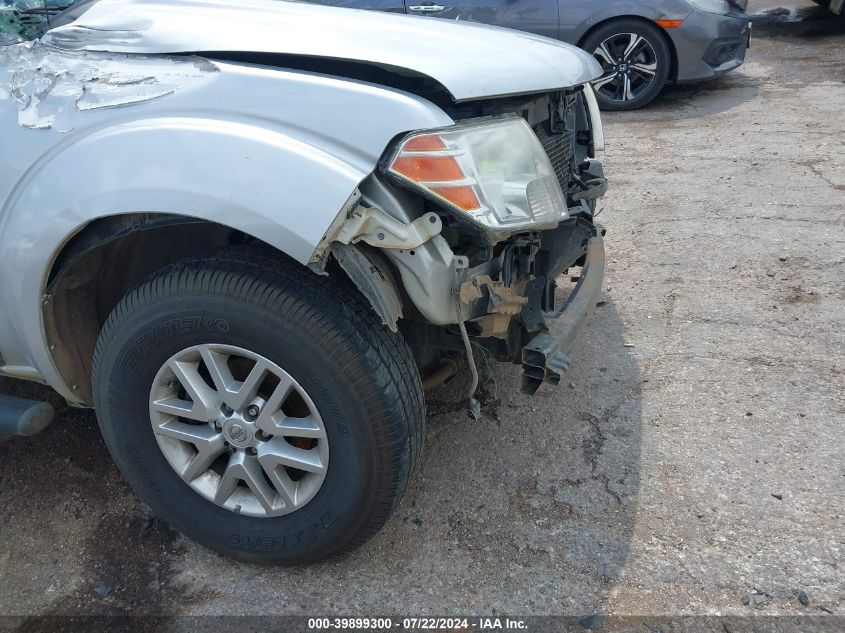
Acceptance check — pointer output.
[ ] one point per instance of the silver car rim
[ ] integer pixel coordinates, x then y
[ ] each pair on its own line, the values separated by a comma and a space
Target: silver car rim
629, 64
239, 430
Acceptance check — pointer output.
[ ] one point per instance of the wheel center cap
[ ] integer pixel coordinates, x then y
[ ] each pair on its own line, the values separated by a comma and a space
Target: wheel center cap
622, 68
238, 433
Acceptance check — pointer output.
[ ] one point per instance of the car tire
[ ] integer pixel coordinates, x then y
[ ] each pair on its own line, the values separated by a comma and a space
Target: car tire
632, 81
359, 376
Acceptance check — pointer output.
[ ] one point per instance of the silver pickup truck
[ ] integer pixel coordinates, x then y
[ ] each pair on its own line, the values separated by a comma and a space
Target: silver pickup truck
249, 234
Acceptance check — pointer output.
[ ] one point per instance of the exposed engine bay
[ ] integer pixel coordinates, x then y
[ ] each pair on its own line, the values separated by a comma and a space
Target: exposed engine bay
504, 291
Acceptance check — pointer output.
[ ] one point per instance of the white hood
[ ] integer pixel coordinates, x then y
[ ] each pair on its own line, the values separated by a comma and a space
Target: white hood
471, 61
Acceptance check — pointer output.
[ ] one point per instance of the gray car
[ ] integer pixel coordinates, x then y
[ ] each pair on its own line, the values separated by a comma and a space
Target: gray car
641, 44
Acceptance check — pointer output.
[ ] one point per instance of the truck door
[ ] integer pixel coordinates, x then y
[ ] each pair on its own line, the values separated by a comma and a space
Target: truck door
534, 16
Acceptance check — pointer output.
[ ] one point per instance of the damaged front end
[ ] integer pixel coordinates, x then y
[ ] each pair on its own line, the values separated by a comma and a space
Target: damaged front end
460, 247
522, 320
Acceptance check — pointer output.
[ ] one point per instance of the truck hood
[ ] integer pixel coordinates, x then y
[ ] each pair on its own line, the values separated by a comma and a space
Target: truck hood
471, 61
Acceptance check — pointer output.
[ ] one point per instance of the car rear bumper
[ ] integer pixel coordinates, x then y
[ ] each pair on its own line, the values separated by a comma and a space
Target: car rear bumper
545, 357
708, 45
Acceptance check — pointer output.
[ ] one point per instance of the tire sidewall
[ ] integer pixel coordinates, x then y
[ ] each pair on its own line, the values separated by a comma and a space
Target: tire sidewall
157, 331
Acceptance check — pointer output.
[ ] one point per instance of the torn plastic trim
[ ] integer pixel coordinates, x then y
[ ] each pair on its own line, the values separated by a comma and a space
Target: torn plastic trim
49, 85
373, 279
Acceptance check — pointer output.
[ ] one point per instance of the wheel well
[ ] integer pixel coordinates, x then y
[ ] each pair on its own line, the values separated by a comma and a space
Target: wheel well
99, 266
673, 70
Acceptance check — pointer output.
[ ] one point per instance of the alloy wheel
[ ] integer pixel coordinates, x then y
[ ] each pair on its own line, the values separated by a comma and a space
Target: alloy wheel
239, 430
629, 63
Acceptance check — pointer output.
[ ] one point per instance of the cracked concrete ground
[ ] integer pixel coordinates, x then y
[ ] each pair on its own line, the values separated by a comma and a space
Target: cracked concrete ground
693, 459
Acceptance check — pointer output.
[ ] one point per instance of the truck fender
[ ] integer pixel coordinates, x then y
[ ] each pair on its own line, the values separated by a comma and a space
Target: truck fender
257, 180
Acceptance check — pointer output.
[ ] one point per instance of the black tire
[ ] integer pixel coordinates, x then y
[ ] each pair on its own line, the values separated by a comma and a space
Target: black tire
360, 375
657, 48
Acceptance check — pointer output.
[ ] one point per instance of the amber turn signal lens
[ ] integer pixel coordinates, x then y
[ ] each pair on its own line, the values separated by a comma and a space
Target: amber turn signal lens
428, 168
426, 160
463, 196
669, 24
425, 143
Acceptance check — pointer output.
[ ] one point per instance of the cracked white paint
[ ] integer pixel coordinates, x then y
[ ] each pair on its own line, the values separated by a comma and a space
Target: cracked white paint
48, 84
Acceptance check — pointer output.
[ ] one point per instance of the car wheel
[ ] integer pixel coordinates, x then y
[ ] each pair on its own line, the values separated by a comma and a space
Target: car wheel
635, 58
262, 410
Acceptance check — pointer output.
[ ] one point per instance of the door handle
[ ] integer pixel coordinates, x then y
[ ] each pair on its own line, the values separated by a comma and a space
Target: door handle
427, 8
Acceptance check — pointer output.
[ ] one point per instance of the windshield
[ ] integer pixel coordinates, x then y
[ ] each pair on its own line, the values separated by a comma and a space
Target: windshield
22, 20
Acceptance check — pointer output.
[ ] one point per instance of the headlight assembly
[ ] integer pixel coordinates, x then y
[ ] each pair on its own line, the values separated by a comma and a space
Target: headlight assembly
493, 172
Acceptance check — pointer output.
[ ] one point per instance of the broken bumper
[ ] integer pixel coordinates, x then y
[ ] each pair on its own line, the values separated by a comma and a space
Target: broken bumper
545, 358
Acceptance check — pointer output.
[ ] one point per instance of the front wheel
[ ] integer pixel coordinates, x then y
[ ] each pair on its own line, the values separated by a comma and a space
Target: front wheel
635, 58
263, 411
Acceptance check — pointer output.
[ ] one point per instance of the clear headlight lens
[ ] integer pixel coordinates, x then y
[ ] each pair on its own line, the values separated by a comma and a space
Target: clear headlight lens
493, 172
719, 6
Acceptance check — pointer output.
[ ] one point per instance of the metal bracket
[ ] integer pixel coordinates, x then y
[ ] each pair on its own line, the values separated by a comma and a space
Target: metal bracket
377, 228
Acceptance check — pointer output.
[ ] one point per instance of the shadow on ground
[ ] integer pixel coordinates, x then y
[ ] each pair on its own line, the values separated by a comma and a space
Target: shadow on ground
803, 21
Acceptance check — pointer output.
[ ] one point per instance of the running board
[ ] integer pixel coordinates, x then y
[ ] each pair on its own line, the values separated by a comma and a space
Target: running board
23, 417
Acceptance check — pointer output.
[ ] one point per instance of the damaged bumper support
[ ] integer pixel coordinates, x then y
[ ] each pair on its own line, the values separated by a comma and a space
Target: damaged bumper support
545, 357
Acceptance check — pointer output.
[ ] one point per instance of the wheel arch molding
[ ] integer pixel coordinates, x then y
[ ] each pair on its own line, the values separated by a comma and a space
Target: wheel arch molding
111, 255
94, 270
